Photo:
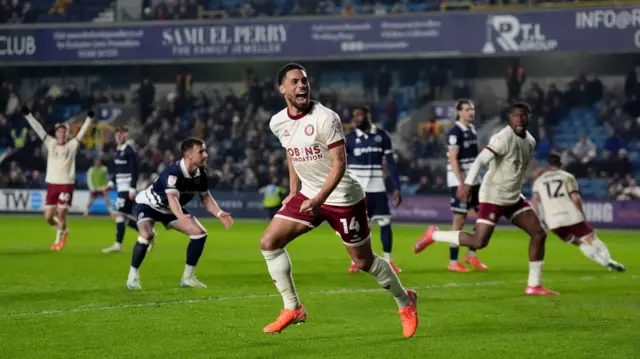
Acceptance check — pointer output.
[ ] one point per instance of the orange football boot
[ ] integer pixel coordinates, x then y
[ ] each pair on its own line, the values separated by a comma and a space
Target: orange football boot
425, 240
286, 318
395, 268
539, 290
458, 267
63, 241
353, 268
409, 315
474, 261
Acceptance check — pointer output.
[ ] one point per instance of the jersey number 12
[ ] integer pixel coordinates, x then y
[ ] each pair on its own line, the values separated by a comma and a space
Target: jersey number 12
554, 188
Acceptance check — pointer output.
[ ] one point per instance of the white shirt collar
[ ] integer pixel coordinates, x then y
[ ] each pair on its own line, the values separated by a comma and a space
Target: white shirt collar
122, 147
185, 173
462, 126
372, 131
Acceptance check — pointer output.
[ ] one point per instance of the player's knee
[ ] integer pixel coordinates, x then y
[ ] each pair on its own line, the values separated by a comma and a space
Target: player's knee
268, 243
198, 234
481, 240
539, 236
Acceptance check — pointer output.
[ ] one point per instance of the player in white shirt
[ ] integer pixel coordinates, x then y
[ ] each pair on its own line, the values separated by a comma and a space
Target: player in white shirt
314, 139
508, 153
61, 172
556, 197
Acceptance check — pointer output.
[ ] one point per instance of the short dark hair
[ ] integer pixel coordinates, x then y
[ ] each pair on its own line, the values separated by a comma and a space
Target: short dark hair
463, 101
286, 68
522, 106
188, 144
362, 108
553, 159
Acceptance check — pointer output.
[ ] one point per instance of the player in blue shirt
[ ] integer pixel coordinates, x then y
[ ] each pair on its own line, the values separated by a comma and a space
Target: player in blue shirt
368, 147
462, 140
164, 202
124, 179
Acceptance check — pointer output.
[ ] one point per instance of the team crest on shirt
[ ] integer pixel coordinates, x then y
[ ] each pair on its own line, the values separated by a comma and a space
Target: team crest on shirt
378, 139
516, 164
309, 130
171, 181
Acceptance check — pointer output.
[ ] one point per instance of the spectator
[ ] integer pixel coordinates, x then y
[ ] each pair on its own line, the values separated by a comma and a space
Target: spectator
632, 82
585, 153
516, 78
544, 146
630, 192
614, 144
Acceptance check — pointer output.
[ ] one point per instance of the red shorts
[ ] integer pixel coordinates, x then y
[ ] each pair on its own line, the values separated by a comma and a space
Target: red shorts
95, 194
351, 223
574, 231
60, 195
489, 213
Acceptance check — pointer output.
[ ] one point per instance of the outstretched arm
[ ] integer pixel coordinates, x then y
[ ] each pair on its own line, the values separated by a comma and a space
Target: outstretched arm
33, 122
85, 126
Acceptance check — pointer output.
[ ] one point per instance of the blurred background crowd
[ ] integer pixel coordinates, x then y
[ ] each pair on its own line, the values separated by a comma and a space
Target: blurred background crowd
592, 119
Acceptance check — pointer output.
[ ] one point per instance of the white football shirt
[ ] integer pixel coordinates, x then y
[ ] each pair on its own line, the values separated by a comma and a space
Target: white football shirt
308, 139
502, 185
554, 188
61, 161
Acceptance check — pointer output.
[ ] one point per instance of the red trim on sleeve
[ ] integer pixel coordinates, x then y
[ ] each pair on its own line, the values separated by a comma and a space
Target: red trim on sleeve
491, 149
336, 144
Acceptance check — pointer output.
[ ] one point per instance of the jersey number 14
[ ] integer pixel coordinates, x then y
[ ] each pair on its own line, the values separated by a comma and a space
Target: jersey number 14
352, 225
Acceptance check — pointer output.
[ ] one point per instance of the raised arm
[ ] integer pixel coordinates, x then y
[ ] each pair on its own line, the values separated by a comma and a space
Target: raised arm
35, 125
85, 126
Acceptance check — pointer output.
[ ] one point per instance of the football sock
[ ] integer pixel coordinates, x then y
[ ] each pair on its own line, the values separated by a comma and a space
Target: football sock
451, 237
590, 252
120, 228
602, 250
279, 265
535, 272
194, 250
454, 250
387, 238
139, 252
388, 280
471, 253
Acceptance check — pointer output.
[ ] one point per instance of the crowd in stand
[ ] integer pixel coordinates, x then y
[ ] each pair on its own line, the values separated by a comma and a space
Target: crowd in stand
25, 11
244, 156
620, 117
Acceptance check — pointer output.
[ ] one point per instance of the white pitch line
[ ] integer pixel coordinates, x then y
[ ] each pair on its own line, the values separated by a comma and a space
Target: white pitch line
263, 296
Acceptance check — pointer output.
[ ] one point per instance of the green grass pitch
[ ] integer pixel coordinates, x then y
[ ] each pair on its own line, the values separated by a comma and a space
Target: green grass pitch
74, 304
